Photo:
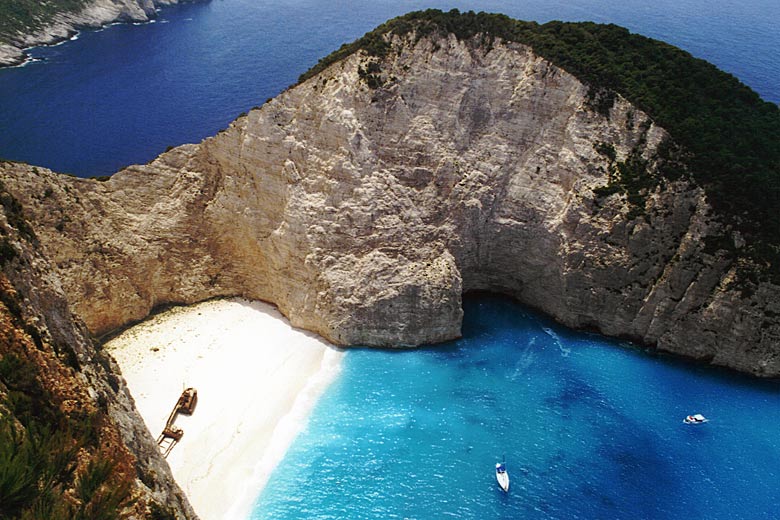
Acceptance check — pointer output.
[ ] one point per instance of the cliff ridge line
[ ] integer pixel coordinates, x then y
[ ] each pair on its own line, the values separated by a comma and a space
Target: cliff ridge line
364, 201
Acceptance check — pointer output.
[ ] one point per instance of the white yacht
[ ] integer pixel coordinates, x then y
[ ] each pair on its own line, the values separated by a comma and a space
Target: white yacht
695, 419
502, 476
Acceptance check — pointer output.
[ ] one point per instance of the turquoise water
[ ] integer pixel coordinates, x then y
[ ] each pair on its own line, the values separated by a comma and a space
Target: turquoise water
124, 94
591, 429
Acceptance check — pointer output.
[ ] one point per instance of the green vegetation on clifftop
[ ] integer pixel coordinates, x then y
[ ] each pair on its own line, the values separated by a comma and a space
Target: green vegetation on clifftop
730, 136
22, 15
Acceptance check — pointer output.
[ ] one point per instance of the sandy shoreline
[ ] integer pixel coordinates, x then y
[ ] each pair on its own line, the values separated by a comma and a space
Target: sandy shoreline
257, 380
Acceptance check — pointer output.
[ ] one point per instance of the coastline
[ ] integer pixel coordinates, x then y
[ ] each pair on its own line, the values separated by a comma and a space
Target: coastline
66, 26
24, 58
257, 380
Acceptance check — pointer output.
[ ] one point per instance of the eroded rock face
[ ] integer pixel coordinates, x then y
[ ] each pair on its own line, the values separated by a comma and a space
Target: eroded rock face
365, 213
96, 13
36, 324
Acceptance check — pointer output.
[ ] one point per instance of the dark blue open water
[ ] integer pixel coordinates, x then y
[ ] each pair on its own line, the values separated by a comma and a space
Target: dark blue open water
123, 95
590, 429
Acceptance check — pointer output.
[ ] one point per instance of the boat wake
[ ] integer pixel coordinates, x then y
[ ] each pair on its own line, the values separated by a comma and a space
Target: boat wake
565, 351
524, 362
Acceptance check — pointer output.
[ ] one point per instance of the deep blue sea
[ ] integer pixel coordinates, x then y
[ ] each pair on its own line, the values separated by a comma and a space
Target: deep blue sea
590, 428
123, 95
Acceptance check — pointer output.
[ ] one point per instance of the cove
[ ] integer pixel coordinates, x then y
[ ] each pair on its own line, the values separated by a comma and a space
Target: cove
591, 428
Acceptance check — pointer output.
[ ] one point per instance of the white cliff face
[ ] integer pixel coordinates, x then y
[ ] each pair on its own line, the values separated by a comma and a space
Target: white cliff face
364, 214
96, 13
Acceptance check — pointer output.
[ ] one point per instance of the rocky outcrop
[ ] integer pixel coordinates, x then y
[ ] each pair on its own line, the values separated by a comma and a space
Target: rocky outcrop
66, 372
64, 24
364, 202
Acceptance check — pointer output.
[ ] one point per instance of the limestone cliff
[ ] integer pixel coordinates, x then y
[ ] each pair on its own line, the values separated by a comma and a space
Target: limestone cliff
60, 394
54, 24
364, 202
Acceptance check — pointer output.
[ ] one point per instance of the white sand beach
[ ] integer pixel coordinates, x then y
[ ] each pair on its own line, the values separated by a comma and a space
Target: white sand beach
257, 380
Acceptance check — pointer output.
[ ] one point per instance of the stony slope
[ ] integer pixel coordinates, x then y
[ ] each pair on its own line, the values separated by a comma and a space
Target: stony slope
58, 389
364, 203
58, 24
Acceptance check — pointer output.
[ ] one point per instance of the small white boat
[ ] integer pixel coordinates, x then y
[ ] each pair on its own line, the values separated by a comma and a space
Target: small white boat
695, 419
502, 476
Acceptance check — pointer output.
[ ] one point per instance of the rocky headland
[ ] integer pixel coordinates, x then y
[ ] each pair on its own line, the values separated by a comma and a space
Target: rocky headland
364, 201
45, 23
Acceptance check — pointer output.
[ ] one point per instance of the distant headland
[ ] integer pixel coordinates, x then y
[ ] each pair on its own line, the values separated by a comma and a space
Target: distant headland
27, 23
